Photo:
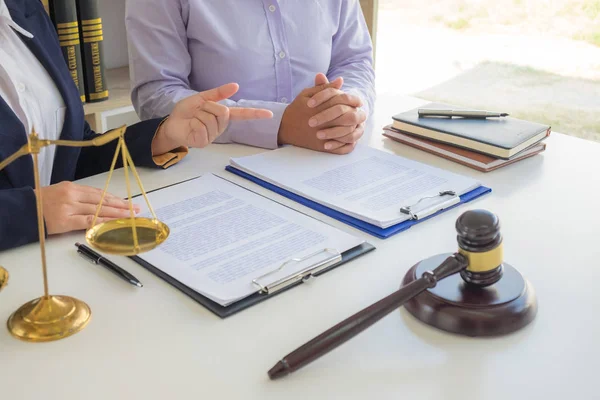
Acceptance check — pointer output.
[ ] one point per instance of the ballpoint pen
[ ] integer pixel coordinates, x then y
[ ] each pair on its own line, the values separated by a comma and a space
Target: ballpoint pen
427, 112
96, 258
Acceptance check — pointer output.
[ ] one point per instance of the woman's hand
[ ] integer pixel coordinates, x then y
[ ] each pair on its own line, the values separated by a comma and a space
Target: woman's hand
198, 120
70, 207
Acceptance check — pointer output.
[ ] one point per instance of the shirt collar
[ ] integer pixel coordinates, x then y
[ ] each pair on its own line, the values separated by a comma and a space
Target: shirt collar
5, 18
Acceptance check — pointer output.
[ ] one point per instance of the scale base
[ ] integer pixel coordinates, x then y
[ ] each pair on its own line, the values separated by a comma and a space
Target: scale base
458, 307
49, 318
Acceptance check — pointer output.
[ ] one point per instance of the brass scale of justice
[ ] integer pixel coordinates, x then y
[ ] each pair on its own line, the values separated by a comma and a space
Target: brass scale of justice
480, 295
51, 317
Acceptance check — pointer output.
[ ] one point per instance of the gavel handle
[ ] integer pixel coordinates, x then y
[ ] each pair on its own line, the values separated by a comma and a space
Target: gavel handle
360, 321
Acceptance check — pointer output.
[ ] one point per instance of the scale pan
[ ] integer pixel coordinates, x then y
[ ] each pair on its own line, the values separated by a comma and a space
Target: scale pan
3, 277
116, 236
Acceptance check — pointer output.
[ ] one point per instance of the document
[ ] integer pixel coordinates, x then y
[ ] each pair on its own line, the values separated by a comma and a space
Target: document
367, 184
223, 236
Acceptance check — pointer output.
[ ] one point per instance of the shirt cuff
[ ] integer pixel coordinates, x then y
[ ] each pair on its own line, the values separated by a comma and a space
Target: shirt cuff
170, 158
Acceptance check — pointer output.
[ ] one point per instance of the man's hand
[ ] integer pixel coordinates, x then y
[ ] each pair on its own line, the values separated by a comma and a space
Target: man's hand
198, 120
342, 123
68, 207
295, 129
331, 92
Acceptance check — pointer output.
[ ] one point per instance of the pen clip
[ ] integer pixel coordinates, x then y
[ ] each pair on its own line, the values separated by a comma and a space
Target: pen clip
86, 257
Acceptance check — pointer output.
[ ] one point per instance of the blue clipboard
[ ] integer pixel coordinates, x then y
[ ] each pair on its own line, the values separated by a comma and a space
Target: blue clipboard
382, 233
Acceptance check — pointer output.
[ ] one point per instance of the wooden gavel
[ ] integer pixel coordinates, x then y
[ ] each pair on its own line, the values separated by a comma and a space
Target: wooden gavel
479, 261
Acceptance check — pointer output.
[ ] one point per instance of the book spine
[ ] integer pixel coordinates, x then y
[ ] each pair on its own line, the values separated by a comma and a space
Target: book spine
96, 87
64, 15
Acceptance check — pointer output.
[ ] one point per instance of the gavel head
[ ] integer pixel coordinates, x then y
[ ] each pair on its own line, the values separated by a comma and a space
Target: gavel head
480, 242
3, 278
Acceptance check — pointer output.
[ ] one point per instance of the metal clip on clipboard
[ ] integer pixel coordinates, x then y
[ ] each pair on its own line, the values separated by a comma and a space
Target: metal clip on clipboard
302, 275
455, 199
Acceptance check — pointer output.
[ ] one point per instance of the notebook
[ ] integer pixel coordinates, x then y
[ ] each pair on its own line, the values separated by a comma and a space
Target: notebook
375, 191
496, 137
230, 248
472, 159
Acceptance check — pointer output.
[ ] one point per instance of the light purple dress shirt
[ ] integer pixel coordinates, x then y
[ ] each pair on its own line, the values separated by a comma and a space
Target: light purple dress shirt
272, 48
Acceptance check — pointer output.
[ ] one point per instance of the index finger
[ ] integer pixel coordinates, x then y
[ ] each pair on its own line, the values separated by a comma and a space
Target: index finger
239, 114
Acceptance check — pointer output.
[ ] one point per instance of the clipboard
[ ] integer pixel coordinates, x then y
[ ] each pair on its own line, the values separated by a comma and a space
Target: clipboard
265, 290
381, 233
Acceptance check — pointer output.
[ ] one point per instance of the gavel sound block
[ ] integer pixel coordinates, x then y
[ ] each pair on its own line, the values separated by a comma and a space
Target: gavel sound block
471, 292
488, 298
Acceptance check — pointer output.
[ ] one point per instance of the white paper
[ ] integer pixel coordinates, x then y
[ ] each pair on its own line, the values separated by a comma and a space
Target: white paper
368, 184
223, 236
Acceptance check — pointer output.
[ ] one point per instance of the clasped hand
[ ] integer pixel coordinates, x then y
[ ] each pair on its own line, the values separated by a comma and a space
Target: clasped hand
324, 118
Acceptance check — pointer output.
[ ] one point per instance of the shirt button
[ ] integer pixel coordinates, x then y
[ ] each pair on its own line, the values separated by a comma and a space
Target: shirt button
281, 54
284, 99
20, 87
272, 8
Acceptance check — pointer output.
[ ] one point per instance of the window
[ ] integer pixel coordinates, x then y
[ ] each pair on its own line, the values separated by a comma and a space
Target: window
536, 59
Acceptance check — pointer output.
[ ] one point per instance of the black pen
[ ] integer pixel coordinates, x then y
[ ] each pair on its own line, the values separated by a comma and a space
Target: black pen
96, 258
426, 112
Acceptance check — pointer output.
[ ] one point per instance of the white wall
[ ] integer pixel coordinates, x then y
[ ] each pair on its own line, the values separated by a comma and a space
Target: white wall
115, 39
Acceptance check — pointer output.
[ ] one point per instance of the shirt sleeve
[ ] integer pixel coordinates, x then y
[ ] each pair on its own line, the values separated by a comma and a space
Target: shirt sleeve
138, 138
352, 55
18, 214
160, 63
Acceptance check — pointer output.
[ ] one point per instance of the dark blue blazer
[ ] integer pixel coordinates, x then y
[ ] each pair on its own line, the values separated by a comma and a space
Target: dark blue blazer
18, 224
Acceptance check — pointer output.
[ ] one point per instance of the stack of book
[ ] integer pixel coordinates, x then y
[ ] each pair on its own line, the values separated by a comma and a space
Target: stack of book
80, 34
484, 144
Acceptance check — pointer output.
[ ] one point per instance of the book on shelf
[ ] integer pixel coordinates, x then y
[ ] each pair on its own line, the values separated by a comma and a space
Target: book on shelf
496, 137
92, 39
63, 14
472, 159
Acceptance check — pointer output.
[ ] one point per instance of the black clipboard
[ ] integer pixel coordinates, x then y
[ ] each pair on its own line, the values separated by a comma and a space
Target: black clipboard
257, 297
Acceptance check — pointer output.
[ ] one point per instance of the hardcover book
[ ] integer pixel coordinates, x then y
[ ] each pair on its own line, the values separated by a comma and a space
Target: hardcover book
64, 15
92, 37
477, 161
497, 137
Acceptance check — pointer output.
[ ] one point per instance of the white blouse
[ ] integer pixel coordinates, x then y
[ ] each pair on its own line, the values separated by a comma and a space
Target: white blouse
29, 90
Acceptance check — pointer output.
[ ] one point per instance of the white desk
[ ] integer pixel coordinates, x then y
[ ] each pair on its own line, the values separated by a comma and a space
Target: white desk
156, 343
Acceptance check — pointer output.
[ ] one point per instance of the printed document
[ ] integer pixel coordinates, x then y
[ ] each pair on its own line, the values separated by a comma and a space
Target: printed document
223, 236
368, 184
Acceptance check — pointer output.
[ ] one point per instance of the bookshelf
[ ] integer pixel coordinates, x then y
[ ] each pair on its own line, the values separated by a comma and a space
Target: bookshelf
117, 110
